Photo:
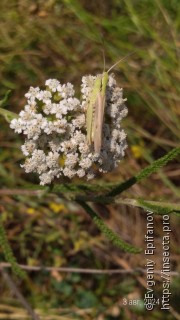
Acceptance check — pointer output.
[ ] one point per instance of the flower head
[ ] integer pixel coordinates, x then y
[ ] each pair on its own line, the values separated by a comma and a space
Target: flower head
54, 123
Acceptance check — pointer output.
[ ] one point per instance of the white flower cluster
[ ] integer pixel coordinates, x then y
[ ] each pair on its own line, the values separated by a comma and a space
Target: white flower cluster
54, 124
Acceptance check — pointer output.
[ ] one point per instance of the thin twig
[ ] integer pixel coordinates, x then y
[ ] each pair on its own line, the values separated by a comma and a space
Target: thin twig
18, 294
81, 270
14, 192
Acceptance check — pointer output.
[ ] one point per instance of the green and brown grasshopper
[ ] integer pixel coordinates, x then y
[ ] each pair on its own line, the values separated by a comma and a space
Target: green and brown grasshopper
95, 108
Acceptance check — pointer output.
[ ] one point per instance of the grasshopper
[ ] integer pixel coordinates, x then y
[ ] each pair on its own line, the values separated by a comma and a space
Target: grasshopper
95, 108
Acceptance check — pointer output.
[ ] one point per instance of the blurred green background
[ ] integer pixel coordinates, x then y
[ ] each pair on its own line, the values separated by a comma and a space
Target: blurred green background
64, 40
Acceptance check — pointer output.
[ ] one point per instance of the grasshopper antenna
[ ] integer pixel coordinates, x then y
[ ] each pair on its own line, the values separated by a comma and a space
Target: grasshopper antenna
129, 54
103, 50
104, 60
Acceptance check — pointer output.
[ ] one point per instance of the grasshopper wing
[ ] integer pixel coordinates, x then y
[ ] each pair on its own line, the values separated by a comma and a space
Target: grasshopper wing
98, 121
